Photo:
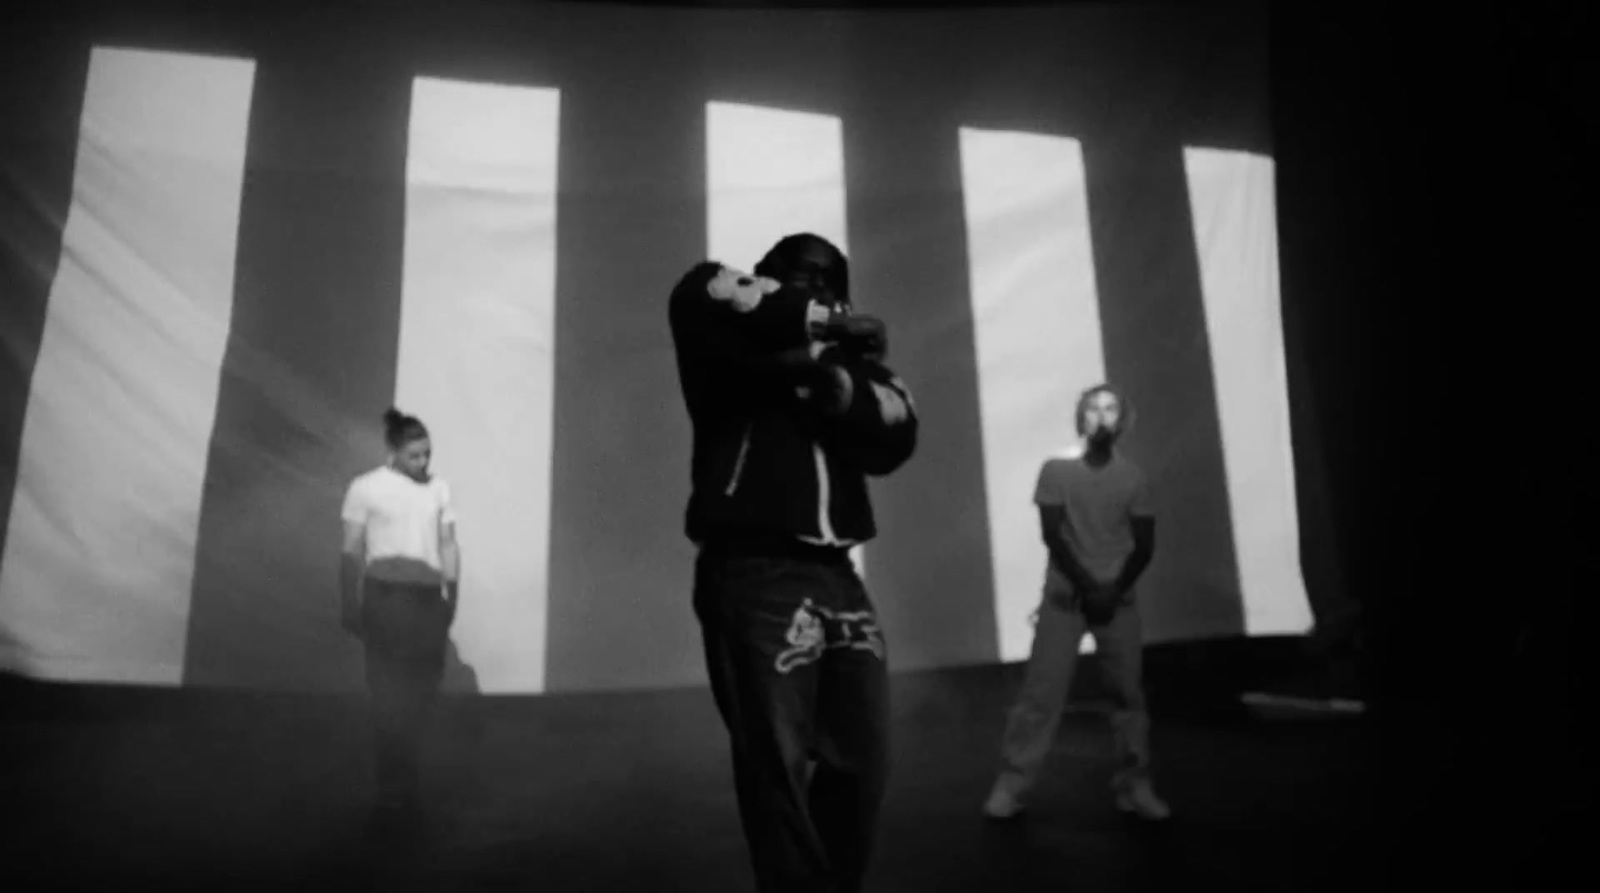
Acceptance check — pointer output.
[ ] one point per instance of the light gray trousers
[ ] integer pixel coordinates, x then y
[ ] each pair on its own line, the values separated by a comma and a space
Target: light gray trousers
1033, 719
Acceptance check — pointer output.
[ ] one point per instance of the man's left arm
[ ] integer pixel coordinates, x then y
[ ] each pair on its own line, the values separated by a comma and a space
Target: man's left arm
449, 551
872, 417
1144, 548
1142, 519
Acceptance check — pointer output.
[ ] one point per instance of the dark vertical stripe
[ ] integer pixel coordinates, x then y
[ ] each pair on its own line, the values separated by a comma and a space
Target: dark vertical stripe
632, 218
1319, 321
309, 368
1320, 540
42, 80
1153, 320
929, 569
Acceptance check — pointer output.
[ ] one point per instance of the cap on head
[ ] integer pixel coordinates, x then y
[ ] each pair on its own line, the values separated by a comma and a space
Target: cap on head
809, 260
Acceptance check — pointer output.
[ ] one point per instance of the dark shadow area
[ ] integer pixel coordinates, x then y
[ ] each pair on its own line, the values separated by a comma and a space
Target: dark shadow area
459, 677
309, 366
1426, 284
622, 791
631, 222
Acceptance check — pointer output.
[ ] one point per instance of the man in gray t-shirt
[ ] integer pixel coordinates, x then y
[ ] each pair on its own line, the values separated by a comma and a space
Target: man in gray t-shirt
1093, 510
1096, 520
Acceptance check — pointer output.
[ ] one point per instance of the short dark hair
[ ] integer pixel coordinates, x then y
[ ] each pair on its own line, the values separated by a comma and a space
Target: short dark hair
1124, 406
783, 255
400, 429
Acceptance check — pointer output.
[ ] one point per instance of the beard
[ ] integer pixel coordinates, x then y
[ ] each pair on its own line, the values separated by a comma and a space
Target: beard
1101, 437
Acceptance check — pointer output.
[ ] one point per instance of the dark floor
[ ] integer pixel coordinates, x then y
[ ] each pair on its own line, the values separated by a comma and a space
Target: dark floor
631, 792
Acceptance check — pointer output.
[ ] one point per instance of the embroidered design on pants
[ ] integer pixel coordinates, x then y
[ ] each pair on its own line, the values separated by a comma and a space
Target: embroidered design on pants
813, 630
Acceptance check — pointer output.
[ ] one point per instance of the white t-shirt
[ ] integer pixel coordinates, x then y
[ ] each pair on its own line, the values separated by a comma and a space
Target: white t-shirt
402, 518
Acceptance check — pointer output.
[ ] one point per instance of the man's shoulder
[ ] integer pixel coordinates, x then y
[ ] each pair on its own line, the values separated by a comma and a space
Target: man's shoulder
1063, 461
364, 488
1058, 473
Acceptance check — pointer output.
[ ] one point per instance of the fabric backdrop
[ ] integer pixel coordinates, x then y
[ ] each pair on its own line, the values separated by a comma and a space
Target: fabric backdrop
231, 242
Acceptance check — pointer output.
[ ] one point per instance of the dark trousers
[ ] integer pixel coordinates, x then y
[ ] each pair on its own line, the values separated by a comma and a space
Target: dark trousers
405, 627
798, 668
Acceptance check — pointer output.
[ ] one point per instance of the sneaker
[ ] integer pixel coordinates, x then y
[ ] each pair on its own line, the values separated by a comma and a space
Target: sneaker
1139, 798
1002, 804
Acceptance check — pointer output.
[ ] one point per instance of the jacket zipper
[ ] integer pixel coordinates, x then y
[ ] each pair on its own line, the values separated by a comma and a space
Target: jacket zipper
738, 462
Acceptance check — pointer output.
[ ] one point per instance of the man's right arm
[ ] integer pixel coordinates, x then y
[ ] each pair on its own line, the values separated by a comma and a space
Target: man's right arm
771, 340
870, 415
1051, 519
352, 561
1049, 496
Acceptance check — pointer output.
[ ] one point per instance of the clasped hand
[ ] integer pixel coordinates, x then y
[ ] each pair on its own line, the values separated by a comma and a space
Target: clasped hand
1097, 601
850, 338
862, 336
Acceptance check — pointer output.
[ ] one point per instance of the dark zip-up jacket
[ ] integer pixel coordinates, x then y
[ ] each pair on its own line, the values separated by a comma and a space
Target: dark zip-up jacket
767, 461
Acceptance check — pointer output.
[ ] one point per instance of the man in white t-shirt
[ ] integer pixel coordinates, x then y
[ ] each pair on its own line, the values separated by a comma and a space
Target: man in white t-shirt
399, 578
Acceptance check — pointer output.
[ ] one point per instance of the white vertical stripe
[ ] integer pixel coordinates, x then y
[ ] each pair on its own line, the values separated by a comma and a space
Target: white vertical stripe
1036, 315
770, 173
476, 360
1235, 222
99, 556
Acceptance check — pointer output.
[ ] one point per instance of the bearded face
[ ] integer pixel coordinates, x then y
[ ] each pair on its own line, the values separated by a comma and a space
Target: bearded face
1100, 417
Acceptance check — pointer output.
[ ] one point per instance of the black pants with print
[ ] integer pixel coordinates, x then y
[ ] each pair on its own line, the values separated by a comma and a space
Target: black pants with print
405, 627
799, 671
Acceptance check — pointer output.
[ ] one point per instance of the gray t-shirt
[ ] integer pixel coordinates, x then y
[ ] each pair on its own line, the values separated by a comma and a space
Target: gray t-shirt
1100, 506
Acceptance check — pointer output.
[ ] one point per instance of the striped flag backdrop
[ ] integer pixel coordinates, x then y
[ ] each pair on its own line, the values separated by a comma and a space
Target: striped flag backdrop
232, 245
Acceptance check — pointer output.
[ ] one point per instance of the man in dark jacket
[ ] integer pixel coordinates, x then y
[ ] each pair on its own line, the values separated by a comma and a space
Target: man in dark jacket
793, 409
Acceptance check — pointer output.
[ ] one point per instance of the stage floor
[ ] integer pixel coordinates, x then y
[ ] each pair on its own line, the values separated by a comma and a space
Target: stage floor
622, 792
